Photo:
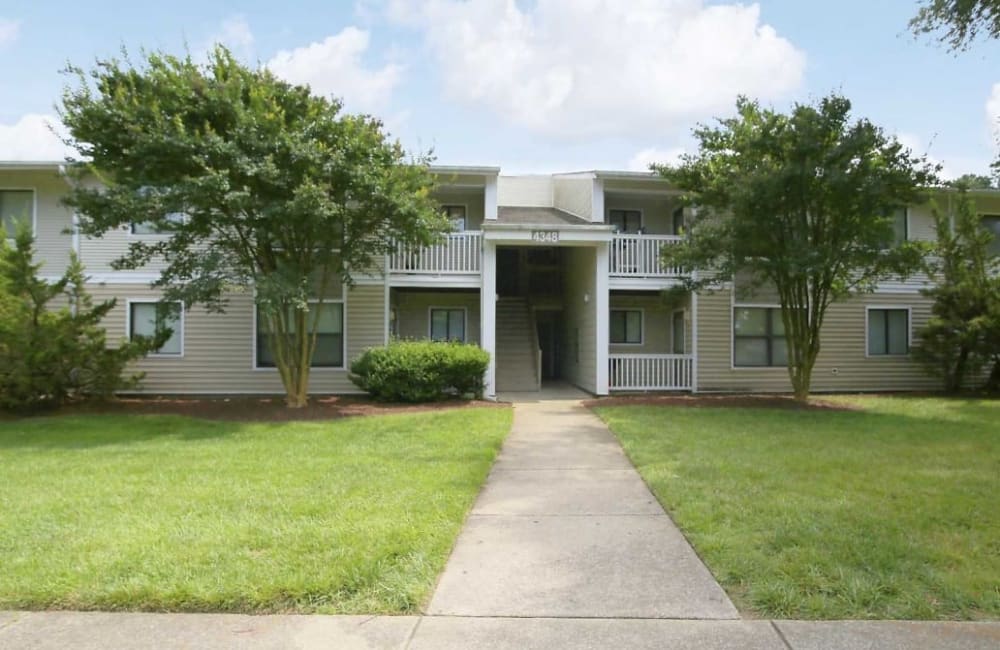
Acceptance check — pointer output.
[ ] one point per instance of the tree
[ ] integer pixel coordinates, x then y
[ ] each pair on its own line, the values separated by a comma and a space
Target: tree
959, 21
258, 184
975, 182
962, 335
802, 202
52, 347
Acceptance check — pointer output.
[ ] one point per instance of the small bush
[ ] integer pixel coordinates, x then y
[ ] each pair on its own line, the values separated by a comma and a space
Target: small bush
420, 371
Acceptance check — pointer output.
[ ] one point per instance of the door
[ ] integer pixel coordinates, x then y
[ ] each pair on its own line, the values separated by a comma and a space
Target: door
508, 272
549, 328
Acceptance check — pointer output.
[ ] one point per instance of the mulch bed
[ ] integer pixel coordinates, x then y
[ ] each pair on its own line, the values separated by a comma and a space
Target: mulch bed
264, 409
785, 402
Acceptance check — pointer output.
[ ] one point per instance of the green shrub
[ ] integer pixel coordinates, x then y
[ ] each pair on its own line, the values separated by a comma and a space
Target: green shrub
420, 371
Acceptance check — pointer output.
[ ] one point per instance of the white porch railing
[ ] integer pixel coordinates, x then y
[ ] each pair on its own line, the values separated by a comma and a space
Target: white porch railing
639, 256
460, 252
650, 372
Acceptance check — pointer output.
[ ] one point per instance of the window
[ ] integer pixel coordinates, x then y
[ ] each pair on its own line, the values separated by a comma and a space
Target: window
456, 215
448, 324
677, 333
16, 206
152, 318
678, 221
625, 220
329, 352
900, 230
992, 223
626, 326
888, 332
759, 337
150, 228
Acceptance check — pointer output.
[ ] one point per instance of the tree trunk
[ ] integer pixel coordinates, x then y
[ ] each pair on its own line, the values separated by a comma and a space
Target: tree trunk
801, 382
953, 383
993, 382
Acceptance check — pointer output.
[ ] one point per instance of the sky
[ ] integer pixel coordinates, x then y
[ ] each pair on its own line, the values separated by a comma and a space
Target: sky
535, 86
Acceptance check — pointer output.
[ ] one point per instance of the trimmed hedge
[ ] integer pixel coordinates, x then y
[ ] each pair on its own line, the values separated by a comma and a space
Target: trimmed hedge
421, 371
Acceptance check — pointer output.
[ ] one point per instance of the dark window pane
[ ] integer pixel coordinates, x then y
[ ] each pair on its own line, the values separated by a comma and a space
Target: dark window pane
750, 351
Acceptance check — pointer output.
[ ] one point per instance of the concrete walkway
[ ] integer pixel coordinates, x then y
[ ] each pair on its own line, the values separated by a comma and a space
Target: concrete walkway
565, 527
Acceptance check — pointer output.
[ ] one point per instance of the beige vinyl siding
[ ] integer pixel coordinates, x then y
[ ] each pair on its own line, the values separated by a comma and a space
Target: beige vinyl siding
52, 220
474, 201
581, 319
842, 364
921, 223
657, 211
219, 348
524, 191
574, 195
657, 334
413, 311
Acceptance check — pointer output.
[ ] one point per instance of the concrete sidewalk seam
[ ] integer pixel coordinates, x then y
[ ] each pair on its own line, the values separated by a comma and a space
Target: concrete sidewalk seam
781, 635
413, 633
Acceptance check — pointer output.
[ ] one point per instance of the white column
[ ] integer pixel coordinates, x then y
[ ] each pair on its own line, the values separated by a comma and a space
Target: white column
597, 202
694, 341
488, 313
602, 301
490, 209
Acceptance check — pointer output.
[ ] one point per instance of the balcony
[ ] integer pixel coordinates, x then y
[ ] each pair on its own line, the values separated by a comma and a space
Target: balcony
459, 254
638, 256
650, 372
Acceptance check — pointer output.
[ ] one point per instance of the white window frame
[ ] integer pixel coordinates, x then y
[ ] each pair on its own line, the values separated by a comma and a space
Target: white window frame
128, 325
154, 235
673, 316
642, 218
253, 338
733, 306
642, 326
34, 208
982, 216
464, 206
909, 330
465, 320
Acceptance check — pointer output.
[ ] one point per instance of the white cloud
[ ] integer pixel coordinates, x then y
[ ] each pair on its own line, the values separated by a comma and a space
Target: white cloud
993, 113
234, 32
31, 138
952, 166
603, 67
641, 161
9, 31
334, 66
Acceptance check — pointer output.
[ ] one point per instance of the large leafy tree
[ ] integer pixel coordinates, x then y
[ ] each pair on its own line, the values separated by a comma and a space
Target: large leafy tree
963, 334
801, 202
957, 22
257, 184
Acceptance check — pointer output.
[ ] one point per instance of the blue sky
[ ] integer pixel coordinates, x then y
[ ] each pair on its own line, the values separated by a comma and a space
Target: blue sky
547, 85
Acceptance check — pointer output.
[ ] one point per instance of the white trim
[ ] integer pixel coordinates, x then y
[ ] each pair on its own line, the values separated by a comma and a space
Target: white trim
732, 333
694, 341
253, 337
386, 307
490, 199
909, 330
34, 207
147, 301
122, 277
602, 324
465, 321
673, 314
642, 325
487, 315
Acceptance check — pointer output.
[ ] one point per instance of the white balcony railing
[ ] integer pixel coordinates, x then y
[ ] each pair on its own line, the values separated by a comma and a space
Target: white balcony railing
650, 372
460, 252
638, 256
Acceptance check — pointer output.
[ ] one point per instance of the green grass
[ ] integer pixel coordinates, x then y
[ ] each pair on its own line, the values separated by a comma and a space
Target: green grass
890, 511
166, 513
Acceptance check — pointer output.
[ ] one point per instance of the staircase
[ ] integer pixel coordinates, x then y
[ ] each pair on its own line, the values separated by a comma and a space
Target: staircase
517, 349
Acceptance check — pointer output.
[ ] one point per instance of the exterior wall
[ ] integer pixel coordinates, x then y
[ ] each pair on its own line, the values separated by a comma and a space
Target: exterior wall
525, 191
657, 321
657, 211
474, 201
413, 311
574, 195
842, 364
580, 368
52, 221
219, 348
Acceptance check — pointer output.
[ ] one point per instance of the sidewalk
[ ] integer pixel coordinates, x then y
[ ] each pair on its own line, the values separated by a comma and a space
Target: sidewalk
103, 631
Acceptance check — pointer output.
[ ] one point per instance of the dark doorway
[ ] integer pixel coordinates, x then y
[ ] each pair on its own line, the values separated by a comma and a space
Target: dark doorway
549, 323
508, 272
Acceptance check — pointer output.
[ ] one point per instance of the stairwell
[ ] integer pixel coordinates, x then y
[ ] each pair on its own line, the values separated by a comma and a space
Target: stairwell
517, 352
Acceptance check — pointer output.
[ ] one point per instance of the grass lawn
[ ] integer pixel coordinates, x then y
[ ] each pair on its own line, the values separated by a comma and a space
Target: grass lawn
888, 511
119, 512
